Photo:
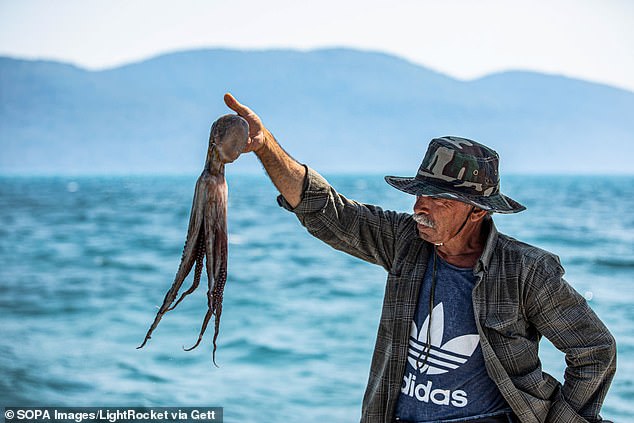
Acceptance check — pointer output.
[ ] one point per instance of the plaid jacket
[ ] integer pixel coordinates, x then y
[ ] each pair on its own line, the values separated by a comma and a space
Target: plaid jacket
519, 296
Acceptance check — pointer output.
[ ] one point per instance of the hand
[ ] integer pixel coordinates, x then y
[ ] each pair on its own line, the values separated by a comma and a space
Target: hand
256, 129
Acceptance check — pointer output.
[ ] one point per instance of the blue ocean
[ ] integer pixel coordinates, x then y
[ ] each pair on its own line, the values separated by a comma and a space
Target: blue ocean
86, 261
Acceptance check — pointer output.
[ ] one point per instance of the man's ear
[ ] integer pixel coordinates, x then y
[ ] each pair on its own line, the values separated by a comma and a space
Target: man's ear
478, 214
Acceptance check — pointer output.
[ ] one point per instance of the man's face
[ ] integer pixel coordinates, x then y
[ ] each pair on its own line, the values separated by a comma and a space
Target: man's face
439, 219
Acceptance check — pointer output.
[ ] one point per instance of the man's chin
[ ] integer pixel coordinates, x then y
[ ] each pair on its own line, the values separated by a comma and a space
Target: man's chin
421, 233
427, 234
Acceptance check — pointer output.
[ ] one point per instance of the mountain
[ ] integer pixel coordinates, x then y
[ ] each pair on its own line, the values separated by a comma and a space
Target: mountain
335, 109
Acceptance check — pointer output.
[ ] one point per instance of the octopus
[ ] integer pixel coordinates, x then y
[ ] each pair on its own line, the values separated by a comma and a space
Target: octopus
207, 232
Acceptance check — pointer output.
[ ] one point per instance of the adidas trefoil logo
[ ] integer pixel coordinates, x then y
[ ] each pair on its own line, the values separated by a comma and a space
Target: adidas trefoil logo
442, 358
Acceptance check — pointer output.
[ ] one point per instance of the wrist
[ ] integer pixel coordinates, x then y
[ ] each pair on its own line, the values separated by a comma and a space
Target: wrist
267, 140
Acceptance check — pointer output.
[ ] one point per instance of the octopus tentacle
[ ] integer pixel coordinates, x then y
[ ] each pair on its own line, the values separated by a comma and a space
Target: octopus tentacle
190, 254
210, 232
198, 270
216, 252
219, 287
202, 330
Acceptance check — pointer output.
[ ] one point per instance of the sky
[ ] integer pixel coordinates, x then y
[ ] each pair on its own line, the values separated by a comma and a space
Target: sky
466, 39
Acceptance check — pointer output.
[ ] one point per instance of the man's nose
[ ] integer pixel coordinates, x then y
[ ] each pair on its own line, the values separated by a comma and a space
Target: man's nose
421, 205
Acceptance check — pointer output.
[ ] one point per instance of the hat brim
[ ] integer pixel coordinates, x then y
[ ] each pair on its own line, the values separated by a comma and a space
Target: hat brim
422, 186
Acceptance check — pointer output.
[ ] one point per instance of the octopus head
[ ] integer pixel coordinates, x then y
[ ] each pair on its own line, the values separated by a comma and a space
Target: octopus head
229, 134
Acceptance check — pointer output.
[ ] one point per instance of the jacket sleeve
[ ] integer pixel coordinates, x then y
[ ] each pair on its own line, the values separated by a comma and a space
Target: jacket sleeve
562, 315
362, 230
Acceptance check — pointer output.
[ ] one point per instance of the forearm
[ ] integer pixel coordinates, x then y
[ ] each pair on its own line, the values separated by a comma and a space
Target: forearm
285, 172
565, 318
588, 376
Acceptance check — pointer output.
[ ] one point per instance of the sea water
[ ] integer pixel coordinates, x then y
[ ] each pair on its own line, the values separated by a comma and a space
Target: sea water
86, 261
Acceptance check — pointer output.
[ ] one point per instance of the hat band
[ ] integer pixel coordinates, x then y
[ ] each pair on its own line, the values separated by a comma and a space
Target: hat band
457, 186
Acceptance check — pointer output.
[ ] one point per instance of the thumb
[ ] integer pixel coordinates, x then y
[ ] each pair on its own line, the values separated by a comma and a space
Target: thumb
236, 106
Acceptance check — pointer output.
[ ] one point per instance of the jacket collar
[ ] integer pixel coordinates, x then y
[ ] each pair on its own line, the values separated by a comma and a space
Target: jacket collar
489, 246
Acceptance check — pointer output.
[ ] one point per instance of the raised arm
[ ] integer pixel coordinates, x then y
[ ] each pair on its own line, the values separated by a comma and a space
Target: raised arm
362, 230
285, 172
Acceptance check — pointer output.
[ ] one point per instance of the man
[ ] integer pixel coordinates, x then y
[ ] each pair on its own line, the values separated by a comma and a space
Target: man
464, 306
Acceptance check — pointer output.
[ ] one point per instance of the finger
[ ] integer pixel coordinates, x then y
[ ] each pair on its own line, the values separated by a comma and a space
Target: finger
236, 106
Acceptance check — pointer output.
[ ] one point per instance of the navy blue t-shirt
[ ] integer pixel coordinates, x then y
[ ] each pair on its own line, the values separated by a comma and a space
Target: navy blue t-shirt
453, 384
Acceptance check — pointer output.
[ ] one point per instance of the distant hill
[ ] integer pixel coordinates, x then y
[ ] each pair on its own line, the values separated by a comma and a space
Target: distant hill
335, 109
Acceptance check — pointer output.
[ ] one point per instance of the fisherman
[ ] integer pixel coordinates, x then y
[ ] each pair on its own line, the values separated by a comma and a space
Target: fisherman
465, 306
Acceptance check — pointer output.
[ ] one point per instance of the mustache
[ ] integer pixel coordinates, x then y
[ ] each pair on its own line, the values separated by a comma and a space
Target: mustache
423, 219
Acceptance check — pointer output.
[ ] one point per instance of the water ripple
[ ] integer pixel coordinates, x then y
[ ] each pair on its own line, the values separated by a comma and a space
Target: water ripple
86, 261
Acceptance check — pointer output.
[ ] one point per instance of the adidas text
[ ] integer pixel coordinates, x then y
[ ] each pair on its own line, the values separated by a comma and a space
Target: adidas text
425, 393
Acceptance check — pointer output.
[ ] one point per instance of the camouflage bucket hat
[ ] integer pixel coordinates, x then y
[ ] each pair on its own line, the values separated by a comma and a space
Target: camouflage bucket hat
459, 169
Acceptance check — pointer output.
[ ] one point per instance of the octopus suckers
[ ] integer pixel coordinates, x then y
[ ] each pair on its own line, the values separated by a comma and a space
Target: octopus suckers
206, 243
